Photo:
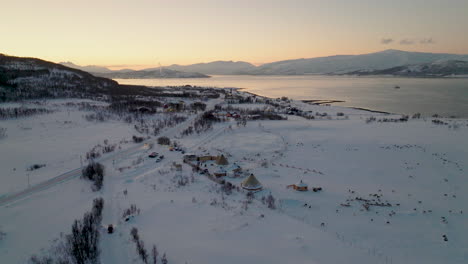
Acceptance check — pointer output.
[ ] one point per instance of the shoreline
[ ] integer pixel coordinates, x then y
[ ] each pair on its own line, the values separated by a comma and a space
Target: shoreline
322, 102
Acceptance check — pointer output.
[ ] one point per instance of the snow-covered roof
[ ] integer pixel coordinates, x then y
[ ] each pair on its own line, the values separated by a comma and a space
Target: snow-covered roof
301, 184
220, 170
233, 167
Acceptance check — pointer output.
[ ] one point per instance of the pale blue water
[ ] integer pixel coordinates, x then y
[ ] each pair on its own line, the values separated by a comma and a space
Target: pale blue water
443, 96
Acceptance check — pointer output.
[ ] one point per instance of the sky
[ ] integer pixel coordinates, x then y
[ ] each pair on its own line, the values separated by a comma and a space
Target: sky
141, 33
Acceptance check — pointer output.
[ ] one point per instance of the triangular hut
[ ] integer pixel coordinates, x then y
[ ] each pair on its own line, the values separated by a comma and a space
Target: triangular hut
251, 184
221, 160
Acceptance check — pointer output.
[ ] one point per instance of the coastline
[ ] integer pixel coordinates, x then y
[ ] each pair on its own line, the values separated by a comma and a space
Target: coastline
322, 102
396, 101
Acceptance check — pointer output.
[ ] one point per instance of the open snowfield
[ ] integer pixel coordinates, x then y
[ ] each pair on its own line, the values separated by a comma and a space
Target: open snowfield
417, 169
57, 140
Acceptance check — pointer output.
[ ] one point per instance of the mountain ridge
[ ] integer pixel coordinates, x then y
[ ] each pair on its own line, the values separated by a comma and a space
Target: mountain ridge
334, 64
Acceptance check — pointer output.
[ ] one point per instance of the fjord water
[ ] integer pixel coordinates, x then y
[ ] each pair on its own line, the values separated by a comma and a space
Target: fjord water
428, 96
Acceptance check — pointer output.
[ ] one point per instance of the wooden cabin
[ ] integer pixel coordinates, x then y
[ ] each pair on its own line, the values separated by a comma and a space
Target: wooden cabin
300, 186
206, 158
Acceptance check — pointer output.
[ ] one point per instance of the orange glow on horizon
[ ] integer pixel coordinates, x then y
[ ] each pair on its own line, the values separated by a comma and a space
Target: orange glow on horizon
145, 33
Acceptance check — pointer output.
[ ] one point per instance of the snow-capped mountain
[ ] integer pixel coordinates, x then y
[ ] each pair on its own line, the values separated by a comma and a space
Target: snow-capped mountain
338, 64
348, 63
135, 74
88, 68
149, 74
216, 67
432, 69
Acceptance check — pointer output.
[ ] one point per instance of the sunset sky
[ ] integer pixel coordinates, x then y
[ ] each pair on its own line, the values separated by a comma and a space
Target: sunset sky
141, 33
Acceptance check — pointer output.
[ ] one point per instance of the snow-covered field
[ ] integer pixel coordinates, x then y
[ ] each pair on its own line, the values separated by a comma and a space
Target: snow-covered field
418, 168
57, 140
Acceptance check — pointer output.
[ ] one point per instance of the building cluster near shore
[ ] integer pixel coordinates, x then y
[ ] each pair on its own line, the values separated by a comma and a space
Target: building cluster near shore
218, 167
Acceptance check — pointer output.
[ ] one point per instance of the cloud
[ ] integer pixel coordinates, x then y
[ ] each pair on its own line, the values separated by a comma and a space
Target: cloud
427, 41
406, 42
386, 41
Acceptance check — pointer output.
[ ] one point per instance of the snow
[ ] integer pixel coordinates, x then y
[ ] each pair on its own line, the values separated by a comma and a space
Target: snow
57, 140
417, 164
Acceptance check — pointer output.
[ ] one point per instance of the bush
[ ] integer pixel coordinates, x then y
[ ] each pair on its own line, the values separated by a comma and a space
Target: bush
140, 245
164, 141
138, 139
133, 210
270, 200
35, 167
94, 172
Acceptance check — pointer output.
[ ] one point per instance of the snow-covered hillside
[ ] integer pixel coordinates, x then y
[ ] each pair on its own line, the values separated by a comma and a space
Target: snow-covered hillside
347, 63
88, 68
387, 189
433, 69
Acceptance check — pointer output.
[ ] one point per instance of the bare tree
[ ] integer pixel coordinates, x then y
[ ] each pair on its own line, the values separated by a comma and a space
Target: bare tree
154, 254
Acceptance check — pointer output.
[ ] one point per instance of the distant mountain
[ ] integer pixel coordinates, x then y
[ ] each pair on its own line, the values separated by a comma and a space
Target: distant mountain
338, 64
134, 74
432, 69
216, 67
348, 63
89, 68
149, 74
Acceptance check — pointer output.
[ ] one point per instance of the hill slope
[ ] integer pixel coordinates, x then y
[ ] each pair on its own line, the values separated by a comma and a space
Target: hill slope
23, 78
347, 63
433, 69
88, 68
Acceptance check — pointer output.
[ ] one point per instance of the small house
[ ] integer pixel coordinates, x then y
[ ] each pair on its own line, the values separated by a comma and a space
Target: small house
220, 172
235, 168
206, 158
300, 186
190, 157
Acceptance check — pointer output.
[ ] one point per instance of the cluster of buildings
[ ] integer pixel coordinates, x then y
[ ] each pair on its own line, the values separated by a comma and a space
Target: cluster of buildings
218, 167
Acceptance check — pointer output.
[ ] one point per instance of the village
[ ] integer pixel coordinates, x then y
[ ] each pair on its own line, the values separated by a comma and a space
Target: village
226, 165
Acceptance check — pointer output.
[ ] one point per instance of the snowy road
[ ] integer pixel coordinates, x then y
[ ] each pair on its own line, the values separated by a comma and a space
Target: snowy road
7, 199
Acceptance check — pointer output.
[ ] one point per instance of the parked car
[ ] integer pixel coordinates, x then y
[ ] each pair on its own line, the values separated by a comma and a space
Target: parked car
153, 155
160, 158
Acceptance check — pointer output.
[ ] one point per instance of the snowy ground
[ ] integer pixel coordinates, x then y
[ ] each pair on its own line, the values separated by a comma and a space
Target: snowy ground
56, 140
418, 167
